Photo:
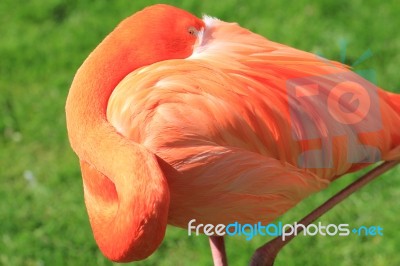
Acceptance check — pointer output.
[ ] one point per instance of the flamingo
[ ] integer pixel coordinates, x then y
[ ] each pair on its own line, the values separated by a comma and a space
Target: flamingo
174, 117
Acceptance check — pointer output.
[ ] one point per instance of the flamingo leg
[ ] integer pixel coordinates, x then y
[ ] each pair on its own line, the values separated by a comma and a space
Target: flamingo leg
217, 245
266, 254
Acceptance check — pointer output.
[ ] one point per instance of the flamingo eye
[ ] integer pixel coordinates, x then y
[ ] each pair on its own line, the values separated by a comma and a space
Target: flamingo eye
193, 31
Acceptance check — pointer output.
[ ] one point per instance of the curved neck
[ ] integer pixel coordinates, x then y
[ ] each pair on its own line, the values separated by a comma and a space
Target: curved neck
91, 135
132, 224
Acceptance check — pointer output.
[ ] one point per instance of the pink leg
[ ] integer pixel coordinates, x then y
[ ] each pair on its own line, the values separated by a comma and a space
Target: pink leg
266, 254
218, 250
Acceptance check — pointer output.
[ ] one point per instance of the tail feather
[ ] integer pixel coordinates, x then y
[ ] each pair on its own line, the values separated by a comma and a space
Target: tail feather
393, 100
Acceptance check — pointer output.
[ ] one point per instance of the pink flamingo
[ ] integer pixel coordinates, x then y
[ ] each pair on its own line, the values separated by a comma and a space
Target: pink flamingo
175, 118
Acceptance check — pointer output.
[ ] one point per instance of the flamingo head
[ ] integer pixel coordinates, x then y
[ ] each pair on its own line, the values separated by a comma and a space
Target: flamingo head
156, 33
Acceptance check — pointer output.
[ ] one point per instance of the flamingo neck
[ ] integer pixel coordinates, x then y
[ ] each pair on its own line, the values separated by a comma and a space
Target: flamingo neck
87, 101
126, 193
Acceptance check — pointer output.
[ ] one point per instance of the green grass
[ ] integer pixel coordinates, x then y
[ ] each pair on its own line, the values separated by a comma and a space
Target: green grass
43, 220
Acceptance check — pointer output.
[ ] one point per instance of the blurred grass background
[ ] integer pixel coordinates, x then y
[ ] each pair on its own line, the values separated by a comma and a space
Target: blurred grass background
43, 220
